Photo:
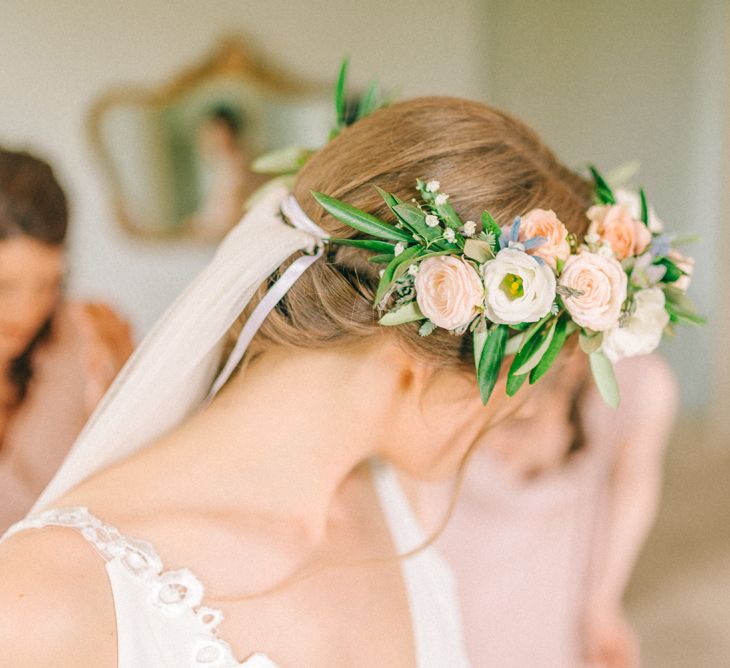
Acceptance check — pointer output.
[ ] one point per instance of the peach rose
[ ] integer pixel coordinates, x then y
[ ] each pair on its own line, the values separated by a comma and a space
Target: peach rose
614, 224
601, 285
542, 223
449, 291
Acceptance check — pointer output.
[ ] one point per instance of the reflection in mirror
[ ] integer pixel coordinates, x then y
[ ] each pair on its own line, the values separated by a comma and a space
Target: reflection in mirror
178, 158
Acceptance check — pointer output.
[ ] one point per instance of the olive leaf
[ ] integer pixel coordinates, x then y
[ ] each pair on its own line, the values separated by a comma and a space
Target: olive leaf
490, 361
530, 355
644, 208
360, 220
478, 250
386, 280
556, 345
367, 244
605, 378
590, 343
603, 190
413, 218
408, 313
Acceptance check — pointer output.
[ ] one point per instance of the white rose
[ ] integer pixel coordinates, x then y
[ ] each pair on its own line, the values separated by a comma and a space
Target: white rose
643, 332
519, 288
632, 202
449, 291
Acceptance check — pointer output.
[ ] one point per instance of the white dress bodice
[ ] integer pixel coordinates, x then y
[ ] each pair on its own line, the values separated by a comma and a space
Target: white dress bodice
163, 623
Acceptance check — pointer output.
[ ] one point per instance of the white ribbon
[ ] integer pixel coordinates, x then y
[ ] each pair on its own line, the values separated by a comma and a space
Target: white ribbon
296, 216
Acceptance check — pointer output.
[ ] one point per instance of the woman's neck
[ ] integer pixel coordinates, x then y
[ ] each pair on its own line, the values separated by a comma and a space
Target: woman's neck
282, 437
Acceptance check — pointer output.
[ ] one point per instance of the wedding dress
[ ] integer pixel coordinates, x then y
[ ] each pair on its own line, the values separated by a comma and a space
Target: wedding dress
162, 621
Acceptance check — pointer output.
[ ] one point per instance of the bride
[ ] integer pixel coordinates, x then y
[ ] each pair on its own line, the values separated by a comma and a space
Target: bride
263, 525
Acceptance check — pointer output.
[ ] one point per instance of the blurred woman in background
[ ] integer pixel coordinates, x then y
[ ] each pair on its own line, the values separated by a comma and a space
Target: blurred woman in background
57, 357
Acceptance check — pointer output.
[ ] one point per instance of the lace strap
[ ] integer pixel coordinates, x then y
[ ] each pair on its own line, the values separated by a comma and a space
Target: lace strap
137, 555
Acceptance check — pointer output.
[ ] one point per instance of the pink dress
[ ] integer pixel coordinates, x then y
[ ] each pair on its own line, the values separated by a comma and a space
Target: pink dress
40, 434
522, 554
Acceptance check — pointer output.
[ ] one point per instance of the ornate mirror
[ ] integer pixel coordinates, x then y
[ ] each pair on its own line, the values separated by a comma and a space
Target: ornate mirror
178, 158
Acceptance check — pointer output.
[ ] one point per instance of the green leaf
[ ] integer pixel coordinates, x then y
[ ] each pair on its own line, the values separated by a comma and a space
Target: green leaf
413, 218
385, 258
449, 216
605, 378
477, 250
288, 160
491, 226
552, 352
369, 102
684, 315
407, 313
389, 198
388, 276
673, 273
490, 361
514, 383
479, 338
360, 220
603, 190
340, 94
529, 357
590, 343
644, 208
367, 244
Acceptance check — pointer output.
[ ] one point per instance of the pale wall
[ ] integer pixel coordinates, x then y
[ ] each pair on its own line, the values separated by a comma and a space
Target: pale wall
57, 56
610, 82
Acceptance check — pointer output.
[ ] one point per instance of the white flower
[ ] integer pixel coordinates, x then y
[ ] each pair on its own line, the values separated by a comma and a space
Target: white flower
643, 331
432, 221
592, 238
632, 202
441, 199
470, 228
519, 288
449, 235
399, 248
432, 186
413, 269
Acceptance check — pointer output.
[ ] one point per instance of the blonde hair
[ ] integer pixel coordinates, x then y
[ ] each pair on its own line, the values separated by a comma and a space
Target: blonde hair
484, 159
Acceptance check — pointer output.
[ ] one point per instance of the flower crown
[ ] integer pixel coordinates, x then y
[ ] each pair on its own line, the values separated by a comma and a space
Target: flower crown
620, 287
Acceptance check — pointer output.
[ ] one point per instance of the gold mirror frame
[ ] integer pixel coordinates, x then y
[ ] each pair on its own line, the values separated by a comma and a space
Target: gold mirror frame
232, 61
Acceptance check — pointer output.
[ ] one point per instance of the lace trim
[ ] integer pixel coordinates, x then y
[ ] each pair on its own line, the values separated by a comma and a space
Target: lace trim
171, 592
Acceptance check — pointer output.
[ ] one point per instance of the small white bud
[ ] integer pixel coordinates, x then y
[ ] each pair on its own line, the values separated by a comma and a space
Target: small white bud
413, 269
470, 228
432, 221
432, 186
592, 238
441, 199
399, 248
449, 235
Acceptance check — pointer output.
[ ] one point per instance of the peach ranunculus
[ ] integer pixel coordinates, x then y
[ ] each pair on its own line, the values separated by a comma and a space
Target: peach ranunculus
599, 286
449, 291
544, 223
614, 223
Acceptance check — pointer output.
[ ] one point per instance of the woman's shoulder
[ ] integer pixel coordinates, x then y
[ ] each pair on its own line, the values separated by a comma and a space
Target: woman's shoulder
56, 604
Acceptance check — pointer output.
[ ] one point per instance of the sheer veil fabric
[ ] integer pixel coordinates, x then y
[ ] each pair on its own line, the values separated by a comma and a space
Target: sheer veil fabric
172, 371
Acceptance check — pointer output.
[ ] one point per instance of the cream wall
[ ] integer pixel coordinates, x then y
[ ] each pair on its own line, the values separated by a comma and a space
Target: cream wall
56, 56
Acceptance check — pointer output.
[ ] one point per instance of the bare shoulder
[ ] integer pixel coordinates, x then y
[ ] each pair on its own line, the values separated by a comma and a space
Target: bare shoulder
56, 606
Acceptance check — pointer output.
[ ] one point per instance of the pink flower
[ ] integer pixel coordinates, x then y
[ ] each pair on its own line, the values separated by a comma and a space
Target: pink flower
614, 224
449, 291
600, 284
542, 223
